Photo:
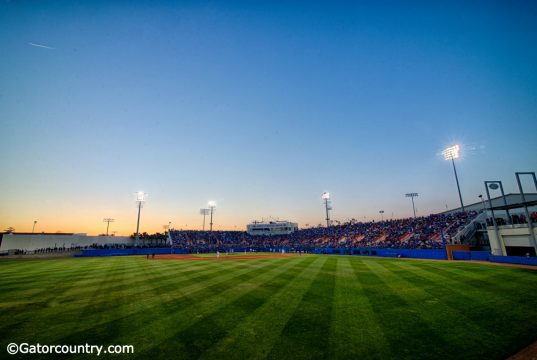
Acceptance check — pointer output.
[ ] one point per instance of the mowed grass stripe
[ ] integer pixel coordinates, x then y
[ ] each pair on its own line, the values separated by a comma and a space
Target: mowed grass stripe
148, 315
196, 327
43, 271
505, 326
450, 312
46, 311
240, 301
99, 307
198, 272
255, 335
400, 311
39, 283
47, 316
305, 336
492, 276
355, 332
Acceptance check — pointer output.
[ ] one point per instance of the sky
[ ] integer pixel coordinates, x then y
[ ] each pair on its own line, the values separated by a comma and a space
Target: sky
259, 106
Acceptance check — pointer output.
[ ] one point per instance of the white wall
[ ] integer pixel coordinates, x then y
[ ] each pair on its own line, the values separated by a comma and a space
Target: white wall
517, 235
40, 241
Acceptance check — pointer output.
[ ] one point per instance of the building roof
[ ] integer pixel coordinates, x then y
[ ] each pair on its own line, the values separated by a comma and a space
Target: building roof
514, 201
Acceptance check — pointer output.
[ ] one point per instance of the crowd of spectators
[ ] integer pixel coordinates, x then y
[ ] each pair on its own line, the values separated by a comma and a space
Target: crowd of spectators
416, 233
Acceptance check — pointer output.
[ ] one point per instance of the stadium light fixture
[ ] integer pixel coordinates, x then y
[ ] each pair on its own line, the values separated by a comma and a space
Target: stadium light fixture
412, 196
108, 221
212, 207
140, 199
452, 153
204, 212
327, 206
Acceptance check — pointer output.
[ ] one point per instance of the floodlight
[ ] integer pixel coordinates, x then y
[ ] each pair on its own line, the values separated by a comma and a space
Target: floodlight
204, 212
212, 207
108, 220
326, 199
412, 196
451, 152
140, 196
140, 199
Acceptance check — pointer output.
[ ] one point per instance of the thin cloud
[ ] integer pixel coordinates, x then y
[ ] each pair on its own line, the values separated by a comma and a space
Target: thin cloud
40, 45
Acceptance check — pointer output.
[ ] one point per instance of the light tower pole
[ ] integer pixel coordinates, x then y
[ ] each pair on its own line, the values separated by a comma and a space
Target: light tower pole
412, 196
452, 153
212, 207
204, 212
327, 206
108, 221
140, 199
33, 227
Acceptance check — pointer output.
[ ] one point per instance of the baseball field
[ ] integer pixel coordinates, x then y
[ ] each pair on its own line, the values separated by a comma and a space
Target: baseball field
293, 307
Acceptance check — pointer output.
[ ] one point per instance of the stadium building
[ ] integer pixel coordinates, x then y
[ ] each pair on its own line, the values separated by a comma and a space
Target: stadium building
503, 226
271, 228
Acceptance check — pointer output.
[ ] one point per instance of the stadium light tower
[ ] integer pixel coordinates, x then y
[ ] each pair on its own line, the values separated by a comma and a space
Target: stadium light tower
327, 206
140, 199
108, 221
204, 212
452, 153
412, 196
33, 227
212, 207
381, 212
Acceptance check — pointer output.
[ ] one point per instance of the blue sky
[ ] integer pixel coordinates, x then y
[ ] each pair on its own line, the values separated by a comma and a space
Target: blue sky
260, 106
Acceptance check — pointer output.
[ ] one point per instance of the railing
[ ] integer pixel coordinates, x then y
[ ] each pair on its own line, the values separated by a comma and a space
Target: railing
469, 230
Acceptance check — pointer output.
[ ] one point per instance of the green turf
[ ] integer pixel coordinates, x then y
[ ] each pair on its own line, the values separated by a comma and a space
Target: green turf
238, 253
303, 307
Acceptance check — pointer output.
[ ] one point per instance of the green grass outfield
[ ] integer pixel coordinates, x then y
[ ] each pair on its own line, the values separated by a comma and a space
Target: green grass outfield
303, 307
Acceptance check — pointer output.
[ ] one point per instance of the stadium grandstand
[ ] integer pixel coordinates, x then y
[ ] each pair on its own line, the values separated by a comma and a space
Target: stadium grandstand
427, 232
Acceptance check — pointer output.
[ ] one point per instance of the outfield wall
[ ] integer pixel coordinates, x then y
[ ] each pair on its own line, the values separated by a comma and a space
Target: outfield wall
487, 256
438, 254
435, 254
131, 251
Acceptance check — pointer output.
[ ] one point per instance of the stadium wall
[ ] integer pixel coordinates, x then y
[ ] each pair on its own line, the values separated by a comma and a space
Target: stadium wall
131, 251
31, 242
438, 254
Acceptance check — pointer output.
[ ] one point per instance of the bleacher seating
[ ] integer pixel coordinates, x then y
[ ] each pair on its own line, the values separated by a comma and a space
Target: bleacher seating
409, 233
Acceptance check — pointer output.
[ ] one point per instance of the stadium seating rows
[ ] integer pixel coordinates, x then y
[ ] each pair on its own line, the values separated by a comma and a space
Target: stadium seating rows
414, 233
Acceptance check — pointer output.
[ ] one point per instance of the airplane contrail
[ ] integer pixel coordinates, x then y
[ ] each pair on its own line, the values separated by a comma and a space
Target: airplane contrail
40, 45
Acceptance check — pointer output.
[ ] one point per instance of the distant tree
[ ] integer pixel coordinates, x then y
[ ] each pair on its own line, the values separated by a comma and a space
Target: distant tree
9, 230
